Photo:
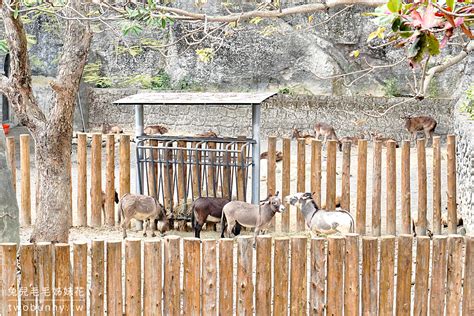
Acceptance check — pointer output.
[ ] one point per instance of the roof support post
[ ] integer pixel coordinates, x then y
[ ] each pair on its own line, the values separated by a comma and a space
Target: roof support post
256, 154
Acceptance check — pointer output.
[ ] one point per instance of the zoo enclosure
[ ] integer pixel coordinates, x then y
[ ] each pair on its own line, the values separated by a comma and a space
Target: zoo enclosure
314, 162
300, 276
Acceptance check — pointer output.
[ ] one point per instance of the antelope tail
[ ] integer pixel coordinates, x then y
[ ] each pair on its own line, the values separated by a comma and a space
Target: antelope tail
193, 218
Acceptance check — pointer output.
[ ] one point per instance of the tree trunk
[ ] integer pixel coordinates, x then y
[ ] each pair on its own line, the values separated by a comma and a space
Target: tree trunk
53, 156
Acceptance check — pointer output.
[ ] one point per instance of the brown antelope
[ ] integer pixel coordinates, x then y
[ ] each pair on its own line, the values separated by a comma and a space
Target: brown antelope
296, 133
325, 130
377, 136
155, 129
208, 134
415, 124
278, 155
111, 129
353, 139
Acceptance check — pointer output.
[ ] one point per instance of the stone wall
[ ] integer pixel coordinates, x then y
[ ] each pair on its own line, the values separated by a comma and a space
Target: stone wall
280, 114
464, 129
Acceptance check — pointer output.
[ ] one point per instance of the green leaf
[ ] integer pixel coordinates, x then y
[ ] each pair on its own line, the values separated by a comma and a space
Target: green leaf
405, 30
377, 33
16, 12
451, 4
4, 46
163, 23
396, 24
432, 45
394, 5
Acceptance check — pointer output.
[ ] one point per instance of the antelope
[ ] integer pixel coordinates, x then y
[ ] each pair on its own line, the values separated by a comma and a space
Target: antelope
296, 133
415, 124
380, 137
155, 129
326, 130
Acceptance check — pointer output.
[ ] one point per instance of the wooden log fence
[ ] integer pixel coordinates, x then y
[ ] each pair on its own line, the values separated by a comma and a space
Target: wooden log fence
55, 278
385, 219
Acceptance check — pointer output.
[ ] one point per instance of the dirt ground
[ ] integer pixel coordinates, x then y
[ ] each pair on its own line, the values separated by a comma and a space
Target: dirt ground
113, 233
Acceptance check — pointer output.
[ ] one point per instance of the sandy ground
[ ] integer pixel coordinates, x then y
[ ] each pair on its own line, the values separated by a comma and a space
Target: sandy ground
112, 233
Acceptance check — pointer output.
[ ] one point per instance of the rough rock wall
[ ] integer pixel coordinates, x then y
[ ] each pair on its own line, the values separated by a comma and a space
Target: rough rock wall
275, 53
9, 213
279, 114
464, 129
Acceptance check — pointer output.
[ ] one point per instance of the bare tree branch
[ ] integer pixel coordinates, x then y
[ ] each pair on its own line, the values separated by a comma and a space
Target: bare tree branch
448, 63
18, 87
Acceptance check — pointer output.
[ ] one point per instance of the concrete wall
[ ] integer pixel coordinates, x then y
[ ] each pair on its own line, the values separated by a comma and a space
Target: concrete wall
279, 114
464, 129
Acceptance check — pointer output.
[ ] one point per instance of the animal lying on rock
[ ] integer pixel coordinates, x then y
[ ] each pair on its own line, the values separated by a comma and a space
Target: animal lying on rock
321, 221
250, 215
278, 155
208, 210
143, 208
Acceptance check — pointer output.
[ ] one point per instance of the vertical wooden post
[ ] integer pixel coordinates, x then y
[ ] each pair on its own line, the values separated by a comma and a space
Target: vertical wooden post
436, 186
110, 181
405, 190
27, 278
386, 282
298, 296
211, 170
124, 164
171, 290
81, 217
452, 208
280, 268
96, 180
152, 277
168, 177
420, 304
271, 171
44, 273
8, 279
361, 186
369, 275
241, 172
12, 158
114, 278
62, 279
264, 276
468, 285
377, 189
300, 185
209, 277
391, 188
226, 275
285, 186
244, 275
97, 278
133, 267
316, 170
25, 215
439, 270
79, 279
422, 192
192, 276
404, 263
335, 286
453, 296
182, 176
351, 273
226, 175
331, 175
346, 176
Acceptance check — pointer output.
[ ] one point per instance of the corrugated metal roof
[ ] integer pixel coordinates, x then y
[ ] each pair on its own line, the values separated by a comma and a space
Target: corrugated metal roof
197, 98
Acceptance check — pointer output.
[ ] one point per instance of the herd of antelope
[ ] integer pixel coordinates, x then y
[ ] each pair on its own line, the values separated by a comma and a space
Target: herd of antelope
413, 124
233, 215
